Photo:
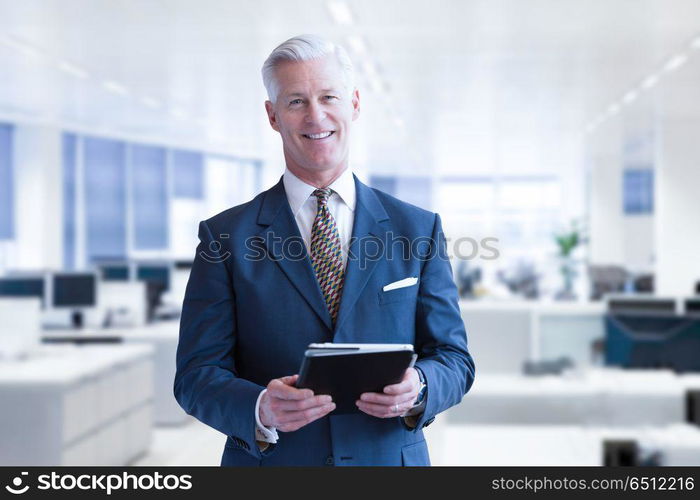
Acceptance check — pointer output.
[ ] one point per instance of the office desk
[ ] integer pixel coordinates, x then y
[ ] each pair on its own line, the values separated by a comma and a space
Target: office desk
558, 445
77, 405
163, 336
595, 397
503, 335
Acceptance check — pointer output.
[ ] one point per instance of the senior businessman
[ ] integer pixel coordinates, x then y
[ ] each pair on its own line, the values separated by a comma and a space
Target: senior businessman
319, 257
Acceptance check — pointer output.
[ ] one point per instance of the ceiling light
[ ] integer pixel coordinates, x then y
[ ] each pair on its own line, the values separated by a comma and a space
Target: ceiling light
340, 12
115, 88
150, 102
675, 62
650, 81
178, 113
20, 46
613, 109
630, 96
73, 70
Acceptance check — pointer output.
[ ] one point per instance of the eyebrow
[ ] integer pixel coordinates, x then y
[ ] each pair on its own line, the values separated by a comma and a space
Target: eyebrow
322, 91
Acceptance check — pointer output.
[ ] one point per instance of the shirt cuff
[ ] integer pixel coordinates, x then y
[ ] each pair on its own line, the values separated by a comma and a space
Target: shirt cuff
262, 433
415, 410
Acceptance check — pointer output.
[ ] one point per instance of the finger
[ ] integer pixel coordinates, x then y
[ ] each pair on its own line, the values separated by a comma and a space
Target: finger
379, 411
280, 390
401, 387
386, 400
302, 418
307, 415
287, 405
289, 379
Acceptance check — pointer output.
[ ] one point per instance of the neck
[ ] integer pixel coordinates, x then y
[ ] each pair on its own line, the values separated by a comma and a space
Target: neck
318, 179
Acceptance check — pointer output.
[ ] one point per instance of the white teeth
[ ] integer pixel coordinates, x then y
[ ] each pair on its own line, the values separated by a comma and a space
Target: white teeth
322, 135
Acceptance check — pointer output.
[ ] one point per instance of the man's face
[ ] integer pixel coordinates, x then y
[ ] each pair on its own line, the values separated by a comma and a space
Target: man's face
313, 114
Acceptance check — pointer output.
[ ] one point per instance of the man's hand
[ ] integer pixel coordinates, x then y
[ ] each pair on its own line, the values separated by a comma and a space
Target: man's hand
288, 409
395, 400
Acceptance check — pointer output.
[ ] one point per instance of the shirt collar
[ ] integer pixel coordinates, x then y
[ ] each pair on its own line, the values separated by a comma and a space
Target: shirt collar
299, 191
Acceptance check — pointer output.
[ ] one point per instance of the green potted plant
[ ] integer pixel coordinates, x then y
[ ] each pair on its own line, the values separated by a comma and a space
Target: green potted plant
567, 241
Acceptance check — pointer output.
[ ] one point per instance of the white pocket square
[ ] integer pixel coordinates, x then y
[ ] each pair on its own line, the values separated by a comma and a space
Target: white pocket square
400, 284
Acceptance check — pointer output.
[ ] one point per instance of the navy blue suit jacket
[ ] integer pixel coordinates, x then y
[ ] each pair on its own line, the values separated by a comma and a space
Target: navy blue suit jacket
253, 305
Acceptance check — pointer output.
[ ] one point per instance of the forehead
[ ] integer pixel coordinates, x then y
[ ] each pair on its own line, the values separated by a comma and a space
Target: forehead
307, 76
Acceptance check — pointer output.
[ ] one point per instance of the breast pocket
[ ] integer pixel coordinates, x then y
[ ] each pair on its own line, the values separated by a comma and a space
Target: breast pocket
398, 294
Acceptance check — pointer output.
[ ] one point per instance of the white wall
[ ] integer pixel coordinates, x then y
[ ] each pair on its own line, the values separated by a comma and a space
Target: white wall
668, 242
638, 243
38, 199
617, 238
678, 212
606, 221
678, 185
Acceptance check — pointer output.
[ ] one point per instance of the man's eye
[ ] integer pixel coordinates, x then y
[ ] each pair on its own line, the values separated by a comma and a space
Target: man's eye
329, 97
295, 102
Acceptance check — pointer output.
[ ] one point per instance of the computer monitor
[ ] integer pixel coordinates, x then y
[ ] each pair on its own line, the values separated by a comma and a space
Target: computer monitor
652, 341
606, 280
114, 272
23, 287
183, 265
640, 304
74, 290
692, 306
155, 273
157, 279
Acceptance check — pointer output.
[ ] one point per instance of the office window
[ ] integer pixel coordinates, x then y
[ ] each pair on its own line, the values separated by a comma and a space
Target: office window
188, 174
149, 197
638, 191
105, 198
229, 182
414, 190
529, 194
468, 195
6, 184
383, 183
70, 142
521, 212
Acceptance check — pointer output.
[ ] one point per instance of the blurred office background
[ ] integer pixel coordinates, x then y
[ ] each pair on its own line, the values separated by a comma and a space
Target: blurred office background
558, 139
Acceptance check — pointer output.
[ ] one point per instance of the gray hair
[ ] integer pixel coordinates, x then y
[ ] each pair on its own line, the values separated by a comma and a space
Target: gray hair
304, 48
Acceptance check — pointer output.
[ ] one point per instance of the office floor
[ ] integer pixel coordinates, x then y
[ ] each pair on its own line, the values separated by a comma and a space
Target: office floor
190, 444
199, 445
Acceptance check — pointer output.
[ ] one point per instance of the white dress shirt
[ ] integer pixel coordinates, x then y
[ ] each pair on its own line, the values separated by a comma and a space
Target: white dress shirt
341, 204
304, 205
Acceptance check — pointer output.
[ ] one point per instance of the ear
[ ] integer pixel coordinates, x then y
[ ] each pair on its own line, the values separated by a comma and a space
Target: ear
271, 115
355, 104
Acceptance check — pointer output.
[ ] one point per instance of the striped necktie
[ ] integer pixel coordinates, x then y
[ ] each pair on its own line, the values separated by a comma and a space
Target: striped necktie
326, 257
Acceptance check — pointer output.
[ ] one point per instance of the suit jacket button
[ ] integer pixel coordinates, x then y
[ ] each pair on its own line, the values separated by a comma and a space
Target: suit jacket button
329, 460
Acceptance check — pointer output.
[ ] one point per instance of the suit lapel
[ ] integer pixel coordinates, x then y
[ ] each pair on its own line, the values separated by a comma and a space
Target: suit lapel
280, 230
367, 234
367, 237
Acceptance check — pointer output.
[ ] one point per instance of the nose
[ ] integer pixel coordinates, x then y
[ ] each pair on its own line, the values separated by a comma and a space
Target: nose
315, 113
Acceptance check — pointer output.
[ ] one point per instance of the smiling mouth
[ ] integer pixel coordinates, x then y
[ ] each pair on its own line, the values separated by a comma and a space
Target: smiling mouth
322, 135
